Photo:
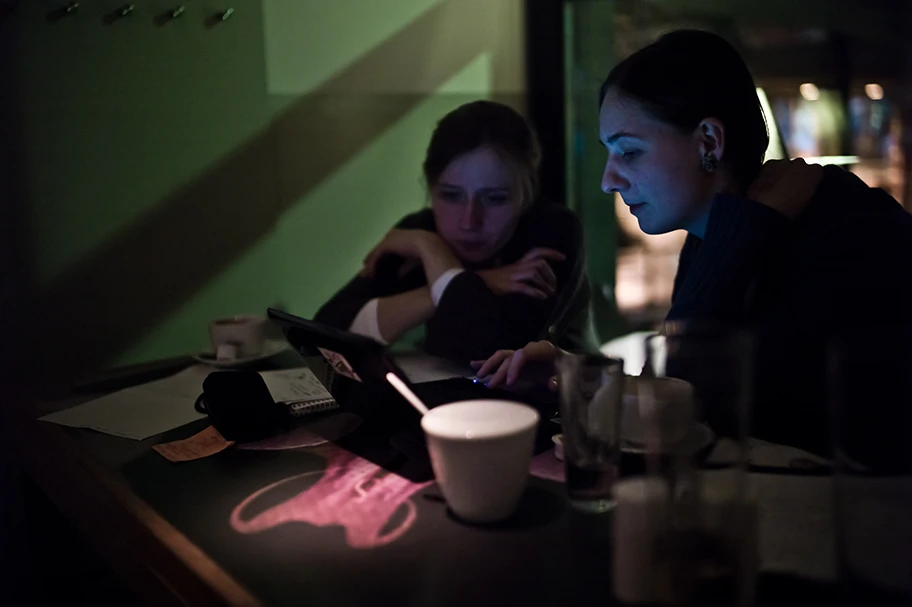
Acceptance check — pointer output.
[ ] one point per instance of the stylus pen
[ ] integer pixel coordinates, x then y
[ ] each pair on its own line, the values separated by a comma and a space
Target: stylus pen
406, 393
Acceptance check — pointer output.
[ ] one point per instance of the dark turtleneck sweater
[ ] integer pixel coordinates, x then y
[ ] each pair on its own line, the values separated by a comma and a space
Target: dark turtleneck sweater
841, 268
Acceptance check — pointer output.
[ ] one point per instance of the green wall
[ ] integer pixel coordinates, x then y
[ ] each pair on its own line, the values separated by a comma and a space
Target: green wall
590, 56
176, 173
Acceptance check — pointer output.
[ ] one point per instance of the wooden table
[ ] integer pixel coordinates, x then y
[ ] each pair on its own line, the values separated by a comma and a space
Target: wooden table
155, 560
164, 529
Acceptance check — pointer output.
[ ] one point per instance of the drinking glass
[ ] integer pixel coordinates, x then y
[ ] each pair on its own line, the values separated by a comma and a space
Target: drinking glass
591, 387
707, 553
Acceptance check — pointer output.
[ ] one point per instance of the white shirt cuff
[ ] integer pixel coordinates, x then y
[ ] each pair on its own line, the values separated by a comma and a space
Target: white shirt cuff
366, 322
442, 283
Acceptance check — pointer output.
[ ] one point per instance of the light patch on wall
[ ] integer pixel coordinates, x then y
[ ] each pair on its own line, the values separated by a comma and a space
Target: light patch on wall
320, 240
348, 213
475, 79
307, 43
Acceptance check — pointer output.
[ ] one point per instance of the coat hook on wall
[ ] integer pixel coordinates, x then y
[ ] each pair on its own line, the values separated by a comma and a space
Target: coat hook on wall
121, 13
170, 15
219, 17
63, 11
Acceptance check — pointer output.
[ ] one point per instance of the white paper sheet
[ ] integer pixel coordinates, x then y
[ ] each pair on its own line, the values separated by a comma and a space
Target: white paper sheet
294, 385
148, 409
140, 411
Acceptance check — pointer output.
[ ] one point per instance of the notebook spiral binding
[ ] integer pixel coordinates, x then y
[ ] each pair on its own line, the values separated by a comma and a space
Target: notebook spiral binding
313, 406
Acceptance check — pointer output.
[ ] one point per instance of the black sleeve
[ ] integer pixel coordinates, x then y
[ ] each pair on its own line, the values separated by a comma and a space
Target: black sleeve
342, 308
852, 275
471, 322
856, 281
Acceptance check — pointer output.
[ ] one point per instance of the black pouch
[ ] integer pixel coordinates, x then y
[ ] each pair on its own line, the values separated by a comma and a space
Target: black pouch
240, 407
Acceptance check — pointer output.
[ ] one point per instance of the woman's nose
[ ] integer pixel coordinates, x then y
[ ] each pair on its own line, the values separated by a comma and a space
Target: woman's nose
472, 217
612, 181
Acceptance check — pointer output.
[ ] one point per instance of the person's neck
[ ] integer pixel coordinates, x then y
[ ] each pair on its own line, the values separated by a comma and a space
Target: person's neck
723, 184
697, 225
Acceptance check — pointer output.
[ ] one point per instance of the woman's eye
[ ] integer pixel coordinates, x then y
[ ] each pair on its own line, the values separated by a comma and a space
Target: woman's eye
450, 196
630, 154
496, 200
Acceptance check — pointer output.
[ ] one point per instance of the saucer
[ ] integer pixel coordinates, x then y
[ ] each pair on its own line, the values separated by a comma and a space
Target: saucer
699, 437
270, 349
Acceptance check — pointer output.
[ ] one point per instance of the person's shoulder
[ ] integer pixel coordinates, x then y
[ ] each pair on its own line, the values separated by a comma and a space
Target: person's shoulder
846, 213
419, 220
844, 198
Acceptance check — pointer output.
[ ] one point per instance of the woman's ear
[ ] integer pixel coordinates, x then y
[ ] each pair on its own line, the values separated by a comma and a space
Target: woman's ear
710, 137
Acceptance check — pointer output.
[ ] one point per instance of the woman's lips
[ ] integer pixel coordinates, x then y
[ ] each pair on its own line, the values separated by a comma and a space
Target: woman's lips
470, 246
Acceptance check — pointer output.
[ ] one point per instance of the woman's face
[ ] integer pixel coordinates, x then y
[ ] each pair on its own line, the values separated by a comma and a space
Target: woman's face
476, 205
654, 167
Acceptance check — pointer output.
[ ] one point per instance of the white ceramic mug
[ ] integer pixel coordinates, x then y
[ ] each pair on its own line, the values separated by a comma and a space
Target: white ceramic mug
239, 336
673, 413
480, 451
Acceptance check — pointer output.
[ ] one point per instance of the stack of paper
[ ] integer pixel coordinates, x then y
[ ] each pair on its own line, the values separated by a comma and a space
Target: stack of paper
149, 409
141, 411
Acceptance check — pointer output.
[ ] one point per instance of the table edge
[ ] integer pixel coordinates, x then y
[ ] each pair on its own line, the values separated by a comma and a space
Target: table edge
98, 502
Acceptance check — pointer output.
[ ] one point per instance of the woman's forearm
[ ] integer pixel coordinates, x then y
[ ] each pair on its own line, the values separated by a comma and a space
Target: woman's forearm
436, 257
397, 314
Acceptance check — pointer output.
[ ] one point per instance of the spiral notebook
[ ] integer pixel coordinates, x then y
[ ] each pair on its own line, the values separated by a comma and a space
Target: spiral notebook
300, 390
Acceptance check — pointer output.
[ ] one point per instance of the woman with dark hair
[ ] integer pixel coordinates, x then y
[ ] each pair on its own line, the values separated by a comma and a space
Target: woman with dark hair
488, 265
795, 253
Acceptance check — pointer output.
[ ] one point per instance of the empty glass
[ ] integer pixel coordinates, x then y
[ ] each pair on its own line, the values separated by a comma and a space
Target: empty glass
591, 387
707, 553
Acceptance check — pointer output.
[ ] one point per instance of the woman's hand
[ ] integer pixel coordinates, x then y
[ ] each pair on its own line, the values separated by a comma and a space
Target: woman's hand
535, 362
532, 275
404, 243
417, 247
786, 185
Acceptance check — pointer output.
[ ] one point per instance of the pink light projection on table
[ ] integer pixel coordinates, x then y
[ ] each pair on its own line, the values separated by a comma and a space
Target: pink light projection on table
546, 466
352, 492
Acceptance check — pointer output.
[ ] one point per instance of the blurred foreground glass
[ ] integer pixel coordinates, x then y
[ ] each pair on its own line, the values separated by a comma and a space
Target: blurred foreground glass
707, 553
870, 388
591, 387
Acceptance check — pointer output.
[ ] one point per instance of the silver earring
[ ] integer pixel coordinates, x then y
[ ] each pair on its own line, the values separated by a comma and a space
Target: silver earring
708, 163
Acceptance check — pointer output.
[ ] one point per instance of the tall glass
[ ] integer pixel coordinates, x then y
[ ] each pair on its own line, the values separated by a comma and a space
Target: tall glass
707, 554
870, 388
591, 387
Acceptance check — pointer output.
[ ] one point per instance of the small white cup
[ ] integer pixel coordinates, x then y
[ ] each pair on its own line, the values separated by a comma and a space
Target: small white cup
238, 336
480, 451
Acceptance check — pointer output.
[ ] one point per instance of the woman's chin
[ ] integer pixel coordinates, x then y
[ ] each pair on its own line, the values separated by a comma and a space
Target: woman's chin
653, 228
645, 225
474, 256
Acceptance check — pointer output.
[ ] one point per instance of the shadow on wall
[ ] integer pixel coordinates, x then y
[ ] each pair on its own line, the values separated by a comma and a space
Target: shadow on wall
14, 271
121, 291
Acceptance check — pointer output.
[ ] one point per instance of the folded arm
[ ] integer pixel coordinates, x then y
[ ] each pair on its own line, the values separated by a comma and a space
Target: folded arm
472, 321
391, 296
